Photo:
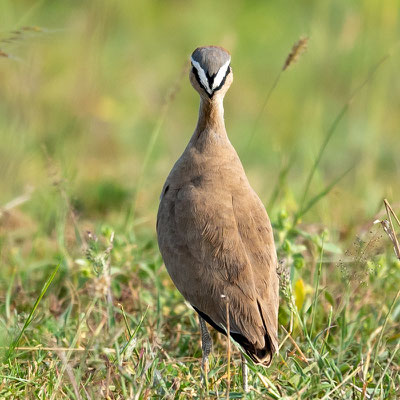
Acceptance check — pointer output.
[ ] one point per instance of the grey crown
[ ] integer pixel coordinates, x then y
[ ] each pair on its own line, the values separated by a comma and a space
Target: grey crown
211, 58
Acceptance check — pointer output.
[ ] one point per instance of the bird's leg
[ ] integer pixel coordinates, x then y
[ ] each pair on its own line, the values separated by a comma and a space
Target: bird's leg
245, 373
206, 346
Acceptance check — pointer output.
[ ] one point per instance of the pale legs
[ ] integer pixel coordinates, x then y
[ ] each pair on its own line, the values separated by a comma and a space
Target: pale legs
245, 373
206, 346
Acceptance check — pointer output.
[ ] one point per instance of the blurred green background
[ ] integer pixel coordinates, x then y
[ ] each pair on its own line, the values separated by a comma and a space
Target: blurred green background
84, 86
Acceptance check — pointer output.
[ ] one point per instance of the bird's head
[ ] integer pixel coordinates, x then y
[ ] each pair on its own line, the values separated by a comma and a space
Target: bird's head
211, 73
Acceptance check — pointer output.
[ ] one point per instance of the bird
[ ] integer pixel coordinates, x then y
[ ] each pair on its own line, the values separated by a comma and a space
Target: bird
214, 234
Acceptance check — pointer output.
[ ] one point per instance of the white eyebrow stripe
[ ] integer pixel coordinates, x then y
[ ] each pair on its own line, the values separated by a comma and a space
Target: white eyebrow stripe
202, 75
221, 74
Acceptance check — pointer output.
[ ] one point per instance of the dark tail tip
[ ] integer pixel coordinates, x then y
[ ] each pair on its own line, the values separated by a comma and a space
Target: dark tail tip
261, 356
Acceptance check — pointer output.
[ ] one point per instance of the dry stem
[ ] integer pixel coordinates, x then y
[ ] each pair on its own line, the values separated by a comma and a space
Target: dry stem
228, 348
389, 228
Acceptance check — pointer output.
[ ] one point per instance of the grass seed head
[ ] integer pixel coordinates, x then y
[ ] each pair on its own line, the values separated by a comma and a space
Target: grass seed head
285, 285
297, 50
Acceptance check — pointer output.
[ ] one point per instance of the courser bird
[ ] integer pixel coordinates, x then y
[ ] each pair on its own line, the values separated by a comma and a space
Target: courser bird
214, 234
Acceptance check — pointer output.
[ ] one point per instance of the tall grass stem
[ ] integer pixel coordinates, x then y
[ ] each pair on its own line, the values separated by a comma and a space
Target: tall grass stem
35, 306
330, 132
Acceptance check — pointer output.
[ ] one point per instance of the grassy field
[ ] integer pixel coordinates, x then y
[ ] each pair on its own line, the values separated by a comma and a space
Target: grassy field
95, 107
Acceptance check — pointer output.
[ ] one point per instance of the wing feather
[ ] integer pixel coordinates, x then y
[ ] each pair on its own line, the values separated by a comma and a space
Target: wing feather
224, 251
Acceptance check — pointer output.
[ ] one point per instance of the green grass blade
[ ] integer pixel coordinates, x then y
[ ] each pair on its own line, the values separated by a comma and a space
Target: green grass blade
15, 378
383, 374
320, 195
153, 139
125, 319
35, 306
132, 336
280, 183
330, 133
262, 110
317, 161
383, 328
8, 295
317, 278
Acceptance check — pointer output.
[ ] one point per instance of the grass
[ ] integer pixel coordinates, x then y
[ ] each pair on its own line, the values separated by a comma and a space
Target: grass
342, 339
87, 309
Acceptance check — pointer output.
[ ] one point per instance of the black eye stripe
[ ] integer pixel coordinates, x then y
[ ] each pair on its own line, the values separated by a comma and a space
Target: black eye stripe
196, 74
223, 80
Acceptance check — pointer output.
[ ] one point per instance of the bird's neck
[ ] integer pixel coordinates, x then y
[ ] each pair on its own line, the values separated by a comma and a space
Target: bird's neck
210, 124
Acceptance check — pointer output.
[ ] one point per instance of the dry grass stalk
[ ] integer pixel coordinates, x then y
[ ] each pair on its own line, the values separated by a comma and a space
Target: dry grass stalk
108, 270
336, 388
18, 34
228, 347
297, 50
32, 28
56, 349
176, 87
70, 373
389, 228
17, 201
59, 183
169, 98
364, 376
289, 336
268, 385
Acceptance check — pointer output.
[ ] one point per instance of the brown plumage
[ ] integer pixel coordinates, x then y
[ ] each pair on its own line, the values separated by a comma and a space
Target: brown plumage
213, 231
